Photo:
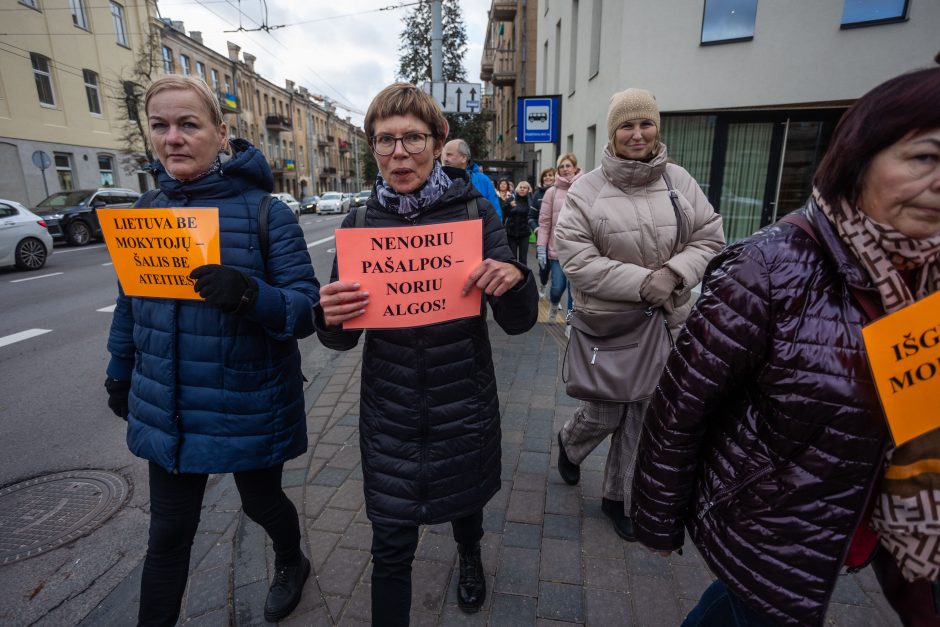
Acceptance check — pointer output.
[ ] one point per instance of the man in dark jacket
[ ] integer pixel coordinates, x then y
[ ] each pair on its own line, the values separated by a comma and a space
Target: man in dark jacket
457, 155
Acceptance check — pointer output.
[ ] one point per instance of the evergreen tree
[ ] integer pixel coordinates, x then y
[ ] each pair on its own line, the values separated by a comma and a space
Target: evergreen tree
415, 65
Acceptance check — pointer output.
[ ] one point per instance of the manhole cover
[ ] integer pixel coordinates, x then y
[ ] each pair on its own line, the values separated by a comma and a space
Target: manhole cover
47, 512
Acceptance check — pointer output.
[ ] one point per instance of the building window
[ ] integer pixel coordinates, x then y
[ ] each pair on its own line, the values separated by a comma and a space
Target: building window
117, 16
596, 17
857, 13
591, 148
215, 80
33, 4
726, 21
78, 13
228, 84
557, 56
185, 65
63, 169
92, 92
573, 54
168, 65
106, 168
43, 76
201, 70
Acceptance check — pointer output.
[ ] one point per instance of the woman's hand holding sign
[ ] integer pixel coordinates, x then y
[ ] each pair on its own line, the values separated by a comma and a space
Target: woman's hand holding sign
495, 278
342, 301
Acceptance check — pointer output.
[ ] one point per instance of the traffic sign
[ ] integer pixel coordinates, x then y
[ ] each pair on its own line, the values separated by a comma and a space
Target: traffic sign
41, 159
455, 97
538, 119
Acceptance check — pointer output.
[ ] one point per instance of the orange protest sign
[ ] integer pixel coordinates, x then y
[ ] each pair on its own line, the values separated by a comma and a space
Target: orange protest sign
904, 353
154, 250
414, 274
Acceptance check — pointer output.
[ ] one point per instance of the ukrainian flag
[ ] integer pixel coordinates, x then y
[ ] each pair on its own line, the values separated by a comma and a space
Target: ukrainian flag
230, 101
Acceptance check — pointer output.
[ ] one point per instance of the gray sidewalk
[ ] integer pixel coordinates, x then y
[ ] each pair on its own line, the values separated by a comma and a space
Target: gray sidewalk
550, 555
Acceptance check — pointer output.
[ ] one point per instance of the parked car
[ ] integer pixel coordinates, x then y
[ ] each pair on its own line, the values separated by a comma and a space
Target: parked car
24, 239
330, 202
347, 202
360, 199
72, 216
309, 204
290, 201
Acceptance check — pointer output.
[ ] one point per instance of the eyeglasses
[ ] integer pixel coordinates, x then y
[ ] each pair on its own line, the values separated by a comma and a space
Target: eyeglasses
413, 143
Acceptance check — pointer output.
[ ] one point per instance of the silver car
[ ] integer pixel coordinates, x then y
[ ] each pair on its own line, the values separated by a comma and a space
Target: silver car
290, 201
24, 239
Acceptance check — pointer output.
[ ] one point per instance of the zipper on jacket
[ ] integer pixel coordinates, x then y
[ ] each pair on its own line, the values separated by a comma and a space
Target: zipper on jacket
724, 495
423, 428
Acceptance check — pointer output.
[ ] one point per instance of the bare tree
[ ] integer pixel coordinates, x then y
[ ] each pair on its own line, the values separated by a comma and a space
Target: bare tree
128, 93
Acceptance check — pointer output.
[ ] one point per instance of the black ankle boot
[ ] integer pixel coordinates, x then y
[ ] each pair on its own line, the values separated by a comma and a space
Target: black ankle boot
569, 471
284, 593
622, 523
471, 587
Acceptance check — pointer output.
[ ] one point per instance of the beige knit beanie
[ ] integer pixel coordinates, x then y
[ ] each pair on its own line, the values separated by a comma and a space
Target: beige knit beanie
630, 104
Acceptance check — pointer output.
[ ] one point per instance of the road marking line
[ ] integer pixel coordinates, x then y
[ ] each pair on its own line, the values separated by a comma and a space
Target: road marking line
321, 241
22, 335
32, 278
78, 250
110, 263
108, 309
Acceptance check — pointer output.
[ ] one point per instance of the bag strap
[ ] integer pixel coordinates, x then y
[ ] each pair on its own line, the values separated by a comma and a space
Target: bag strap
871, 310
263, 227
360, 217
473, 212
674, 199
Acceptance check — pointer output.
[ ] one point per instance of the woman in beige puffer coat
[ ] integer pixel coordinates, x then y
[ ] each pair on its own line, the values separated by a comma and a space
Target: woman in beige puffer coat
616, 240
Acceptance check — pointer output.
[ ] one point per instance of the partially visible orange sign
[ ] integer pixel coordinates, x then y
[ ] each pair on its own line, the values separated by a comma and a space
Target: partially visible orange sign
154, 250
414, 274
904, 352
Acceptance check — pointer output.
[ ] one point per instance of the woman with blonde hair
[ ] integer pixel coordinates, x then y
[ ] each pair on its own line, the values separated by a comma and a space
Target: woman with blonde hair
566, 173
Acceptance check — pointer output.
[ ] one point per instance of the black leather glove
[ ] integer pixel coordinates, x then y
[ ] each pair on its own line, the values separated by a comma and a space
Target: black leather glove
118, 392
228, 289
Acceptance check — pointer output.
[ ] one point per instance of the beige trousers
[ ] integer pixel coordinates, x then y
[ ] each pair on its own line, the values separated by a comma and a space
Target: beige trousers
594, 421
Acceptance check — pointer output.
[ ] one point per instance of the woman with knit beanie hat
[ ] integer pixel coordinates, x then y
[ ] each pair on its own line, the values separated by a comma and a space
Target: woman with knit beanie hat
621, 248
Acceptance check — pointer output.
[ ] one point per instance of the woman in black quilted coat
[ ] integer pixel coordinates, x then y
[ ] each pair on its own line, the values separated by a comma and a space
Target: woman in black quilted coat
429, 414
766, 439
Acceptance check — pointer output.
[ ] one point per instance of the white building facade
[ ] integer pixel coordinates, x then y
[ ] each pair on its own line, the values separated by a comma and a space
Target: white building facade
750, 91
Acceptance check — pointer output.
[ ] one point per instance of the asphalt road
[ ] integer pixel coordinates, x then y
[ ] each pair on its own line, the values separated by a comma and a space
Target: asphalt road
53, 333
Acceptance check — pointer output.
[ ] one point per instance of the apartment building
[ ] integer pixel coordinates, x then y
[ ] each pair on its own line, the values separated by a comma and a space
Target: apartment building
508, 68
750, 91
61, 69
62, 92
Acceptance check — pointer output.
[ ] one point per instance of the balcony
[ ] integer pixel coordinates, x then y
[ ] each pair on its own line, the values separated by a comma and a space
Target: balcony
277, 166
343, 145
504, 67
486, 66
503, 10
277, 123
330, 137
329, 170
322, 140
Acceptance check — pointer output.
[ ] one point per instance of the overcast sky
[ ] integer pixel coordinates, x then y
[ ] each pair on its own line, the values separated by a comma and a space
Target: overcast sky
347, 51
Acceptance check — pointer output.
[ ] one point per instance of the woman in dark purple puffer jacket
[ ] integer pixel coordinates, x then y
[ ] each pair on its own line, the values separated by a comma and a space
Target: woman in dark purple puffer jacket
766, 439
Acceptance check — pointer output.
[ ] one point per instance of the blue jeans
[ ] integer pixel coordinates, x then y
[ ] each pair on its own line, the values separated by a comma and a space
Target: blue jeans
559, 284
720, 607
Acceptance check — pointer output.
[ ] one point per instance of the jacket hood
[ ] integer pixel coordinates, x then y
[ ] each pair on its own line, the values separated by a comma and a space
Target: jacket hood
246, 169
472, 167
629, 174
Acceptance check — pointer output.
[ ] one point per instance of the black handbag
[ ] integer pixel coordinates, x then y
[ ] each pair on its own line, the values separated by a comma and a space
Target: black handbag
618, 356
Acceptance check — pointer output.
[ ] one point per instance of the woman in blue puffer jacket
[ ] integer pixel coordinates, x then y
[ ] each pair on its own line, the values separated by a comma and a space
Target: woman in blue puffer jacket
214, 385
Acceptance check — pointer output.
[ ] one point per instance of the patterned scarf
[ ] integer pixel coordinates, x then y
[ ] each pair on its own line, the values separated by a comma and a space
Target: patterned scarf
907, 510
412, 204
214, 167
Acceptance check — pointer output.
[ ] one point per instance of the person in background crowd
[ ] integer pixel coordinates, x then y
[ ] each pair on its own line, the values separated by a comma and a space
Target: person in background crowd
766, 438
546, 180
621, 248
516, 221
214, 385
566, 173
457, 155
505, 196
429, 415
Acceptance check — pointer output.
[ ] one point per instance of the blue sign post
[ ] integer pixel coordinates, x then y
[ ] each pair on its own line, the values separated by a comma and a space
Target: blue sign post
538, 119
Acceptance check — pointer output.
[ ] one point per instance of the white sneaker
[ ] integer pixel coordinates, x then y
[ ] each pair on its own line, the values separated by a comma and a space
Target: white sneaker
543, 291
552, 313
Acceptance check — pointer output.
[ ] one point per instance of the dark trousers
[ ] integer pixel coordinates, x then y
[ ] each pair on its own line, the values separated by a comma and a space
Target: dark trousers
175, 503
916, 602
519, 247
393, 551
720, 607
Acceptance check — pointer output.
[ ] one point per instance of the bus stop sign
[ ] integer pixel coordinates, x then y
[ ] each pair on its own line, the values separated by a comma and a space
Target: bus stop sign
538, 119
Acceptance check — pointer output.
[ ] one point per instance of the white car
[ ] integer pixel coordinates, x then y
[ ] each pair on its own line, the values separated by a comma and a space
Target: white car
330, 202
290, 201
24, 239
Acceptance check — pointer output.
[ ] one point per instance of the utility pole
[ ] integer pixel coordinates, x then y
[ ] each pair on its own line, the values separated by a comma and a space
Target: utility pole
437, 38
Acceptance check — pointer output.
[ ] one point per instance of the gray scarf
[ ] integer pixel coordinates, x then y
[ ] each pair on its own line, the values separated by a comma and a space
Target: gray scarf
412, 204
